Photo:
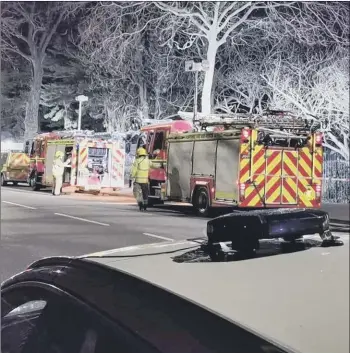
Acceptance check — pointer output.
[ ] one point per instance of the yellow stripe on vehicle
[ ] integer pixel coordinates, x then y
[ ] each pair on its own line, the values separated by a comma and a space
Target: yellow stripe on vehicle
258, 180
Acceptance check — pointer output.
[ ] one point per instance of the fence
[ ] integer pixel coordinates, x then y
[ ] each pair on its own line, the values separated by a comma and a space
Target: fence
336, 174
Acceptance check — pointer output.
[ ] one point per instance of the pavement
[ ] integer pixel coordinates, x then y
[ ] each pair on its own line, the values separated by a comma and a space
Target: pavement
37, 224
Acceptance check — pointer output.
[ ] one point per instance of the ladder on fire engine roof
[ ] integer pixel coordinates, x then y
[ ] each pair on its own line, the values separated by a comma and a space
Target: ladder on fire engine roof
88, 133
269, 121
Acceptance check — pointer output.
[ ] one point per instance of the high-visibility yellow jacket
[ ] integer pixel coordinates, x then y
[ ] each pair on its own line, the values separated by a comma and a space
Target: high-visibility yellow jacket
140, 169
58, 167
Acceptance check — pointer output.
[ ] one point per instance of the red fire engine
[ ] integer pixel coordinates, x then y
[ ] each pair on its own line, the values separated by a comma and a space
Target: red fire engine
255, 161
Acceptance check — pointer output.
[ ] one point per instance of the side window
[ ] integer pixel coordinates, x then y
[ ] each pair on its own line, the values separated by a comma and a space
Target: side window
19, 325
26, 147
53, 323
158, 141
38, 148
142, 140
166, 139
149, 141
41, 148
32, 150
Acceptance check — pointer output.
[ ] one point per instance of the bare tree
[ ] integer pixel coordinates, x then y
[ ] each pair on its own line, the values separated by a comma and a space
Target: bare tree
125, 39
318, 87
27, 29
213, 24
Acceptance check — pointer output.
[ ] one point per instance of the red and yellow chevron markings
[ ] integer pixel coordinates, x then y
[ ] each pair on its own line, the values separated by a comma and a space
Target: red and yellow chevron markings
244, 163
254, 193
306, 192
118, 158
290, 177
19, 160
18, 166
273, 177
73, 178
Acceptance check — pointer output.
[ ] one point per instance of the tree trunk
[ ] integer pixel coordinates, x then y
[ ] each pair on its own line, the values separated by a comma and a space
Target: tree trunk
143, 101
31, 121
109, 119
209, 76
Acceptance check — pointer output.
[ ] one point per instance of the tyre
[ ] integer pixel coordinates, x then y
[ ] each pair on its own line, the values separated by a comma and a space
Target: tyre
152, 202
201, 202
33, 182
3, 181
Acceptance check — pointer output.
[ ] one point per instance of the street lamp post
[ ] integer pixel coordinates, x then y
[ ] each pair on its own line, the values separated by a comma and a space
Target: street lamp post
80, 99
191, 66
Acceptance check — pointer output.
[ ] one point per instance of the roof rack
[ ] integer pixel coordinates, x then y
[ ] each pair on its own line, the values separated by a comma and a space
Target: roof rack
147, 122
88, 133
272, 119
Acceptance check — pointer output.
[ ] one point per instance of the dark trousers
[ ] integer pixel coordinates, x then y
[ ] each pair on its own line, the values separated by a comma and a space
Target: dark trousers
144, 191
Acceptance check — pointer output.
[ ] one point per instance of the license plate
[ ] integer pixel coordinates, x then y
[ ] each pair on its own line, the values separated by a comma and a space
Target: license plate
157, 193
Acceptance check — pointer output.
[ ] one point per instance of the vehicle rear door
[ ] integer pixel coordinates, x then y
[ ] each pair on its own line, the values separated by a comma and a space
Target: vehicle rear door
273, 172
281, 177
18, 166
289, 182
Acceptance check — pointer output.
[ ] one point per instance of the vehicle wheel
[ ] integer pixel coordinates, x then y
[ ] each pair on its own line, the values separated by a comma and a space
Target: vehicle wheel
3, 181
151, 202
15, 183
201, 202
33, 182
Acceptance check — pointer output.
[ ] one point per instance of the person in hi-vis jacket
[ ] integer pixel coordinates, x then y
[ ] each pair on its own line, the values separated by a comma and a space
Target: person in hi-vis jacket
139, 172
57, 172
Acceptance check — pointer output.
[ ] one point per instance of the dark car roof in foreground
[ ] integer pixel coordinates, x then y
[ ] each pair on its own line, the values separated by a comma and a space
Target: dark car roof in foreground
300, 299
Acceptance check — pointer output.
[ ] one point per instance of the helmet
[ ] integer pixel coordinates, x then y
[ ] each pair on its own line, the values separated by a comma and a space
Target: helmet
141, 152
59, 154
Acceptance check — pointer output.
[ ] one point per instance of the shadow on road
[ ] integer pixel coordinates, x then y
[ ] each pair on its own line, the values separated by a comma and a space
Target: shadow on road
26, 188
337, 225
267, 248
184, 210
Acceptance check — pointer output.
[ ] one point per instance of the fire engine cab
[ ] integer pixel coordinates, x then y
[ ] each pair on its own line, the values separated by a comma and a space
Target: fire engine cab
248, 161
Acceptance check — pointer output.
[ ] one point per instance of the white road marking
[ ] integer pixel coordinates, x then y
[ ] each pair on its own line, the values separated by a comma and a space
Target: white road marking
158, 236
19, 205
82, 219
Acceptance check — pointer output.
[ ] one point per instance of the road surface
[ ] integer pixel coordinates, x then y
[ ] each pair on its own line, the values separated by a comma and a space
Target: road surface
36, 225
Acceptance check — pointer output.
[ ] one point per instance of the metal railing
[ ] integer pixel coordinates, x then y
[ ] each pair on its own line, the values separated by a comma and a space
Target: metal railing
336, 178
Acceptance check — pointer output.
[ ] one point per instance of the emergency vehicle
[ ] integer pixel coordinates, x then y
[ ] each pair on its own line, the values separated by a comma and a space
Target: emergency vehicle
247, 161
97, 160
14, 167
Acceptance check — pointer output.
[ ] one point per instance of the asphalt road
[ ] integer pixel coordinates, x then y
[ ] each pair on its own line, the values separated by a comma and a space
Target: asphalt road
36, 225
